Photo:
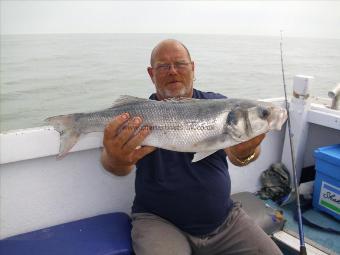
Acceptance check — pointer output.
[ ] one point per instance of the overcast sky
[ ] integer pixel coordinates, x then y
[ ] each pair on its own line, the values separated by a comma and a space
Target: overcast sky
296, 18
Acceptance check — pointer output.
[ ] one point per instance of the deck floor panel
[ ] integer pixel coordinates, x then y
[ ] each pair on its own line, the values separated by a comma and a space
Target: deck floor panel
321, 239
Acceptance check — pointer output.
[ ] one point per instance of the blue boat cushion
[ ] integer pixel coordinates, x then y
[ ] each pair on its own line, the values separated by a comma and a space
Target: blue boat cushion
107, 234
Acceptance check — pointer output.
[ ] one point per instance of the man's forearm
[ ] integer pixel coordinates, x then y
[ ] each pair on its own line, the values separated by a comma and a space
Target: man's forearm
237, 161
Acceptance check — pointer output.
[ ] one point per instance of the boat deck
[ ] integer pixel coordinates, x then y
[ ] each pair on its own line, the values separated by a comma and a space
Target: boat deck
320, 239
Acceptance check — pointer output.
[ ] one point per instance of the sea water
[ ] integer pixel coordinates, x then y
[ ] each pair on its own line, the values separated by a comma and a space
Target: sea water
46, 75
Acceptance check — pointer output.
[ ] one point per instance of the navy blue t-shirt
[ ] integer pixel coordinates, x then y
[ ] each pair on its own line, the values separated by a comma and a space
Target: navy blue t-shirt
193, 196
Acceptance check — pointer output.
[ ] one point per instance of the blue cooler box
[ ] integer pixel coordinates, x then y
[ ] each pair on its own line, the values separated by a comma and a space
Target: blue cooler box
326, 196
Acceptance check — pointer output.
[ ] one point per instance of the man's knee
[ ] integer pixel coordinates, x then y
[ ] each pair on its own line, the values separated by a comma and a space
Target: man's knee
258, 238
154, 235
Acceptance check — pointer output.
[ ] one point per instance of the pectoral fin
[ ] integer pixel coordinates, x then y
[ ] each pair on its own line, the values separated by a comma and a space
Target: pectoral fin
201, 155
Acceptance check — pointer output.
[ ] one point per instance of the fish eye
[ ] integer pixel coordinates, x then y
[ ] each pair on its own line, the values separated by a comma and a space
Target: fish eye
232, 118
262, 112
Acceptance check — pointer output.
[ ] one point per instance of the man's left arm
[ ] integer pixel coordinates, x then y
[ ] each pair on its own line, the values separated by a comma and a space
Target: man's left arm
244, 153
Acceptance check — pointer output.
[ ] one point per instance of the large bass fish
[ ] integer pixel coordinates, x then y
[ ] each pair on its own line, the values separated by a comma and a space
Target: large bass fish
185, 124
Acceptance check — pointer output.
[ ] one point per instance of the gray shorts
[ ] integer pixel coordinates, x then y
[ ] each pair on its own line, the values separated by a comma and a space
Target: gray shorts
152, 235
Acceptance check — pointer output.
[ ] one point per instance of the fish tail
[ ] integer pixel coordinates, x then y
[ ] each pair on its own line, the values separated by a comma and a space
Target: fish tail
69, 133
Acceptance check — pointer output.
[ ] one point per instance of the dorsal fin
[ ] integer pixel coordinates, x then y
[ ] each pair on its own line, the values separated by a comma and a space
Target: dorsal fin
201, 155
126, 99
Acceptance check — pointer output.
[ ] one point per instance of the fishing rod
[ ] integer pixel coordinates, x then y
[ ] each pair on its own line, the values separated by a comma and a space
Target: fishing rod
303, 250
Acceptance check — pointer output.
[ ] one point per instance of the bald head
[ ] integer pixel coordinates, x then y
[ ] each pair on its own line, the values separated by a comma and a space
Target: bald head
166, 43
176, 80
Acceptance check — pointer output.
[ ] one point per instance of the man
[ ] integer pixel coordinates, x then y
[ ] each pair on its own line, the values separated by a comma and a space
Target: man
182, 207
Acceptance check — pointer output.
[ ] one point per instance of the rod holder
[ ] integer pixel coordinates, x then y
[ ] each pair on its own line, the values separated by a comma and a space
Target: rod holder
301, 86
335, 96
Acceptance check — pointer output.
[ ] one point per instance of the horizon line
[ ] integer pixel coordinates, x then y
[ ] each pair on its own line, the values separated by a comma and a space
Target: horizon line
167, 33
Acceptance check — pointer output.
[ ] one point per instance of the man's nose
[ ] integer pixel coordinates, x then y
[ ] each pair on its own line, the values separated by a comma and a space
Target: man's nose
172, 68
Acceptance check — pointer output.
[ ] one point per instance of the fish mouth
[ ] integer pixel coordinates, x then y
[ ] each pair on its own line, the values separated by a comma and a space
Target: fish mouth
278, 118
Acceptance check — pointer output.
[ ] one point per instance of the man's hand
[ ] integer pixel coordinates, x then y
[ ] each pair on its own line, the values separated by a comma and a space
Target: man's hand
244, 153
122, 145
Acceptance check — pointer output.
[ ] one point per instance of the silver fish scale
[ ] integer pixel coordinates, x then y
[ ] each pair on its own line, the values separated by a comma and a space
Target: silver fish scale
184, 125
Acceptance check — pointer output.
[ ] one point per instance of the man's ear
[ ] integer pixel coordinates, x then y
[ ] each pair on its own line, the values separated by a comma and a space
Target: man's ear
150, 72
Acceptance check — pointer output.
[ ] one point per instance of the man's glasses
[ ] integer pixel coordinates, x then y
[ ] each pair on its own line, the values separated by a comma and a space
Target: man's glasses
179, 66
